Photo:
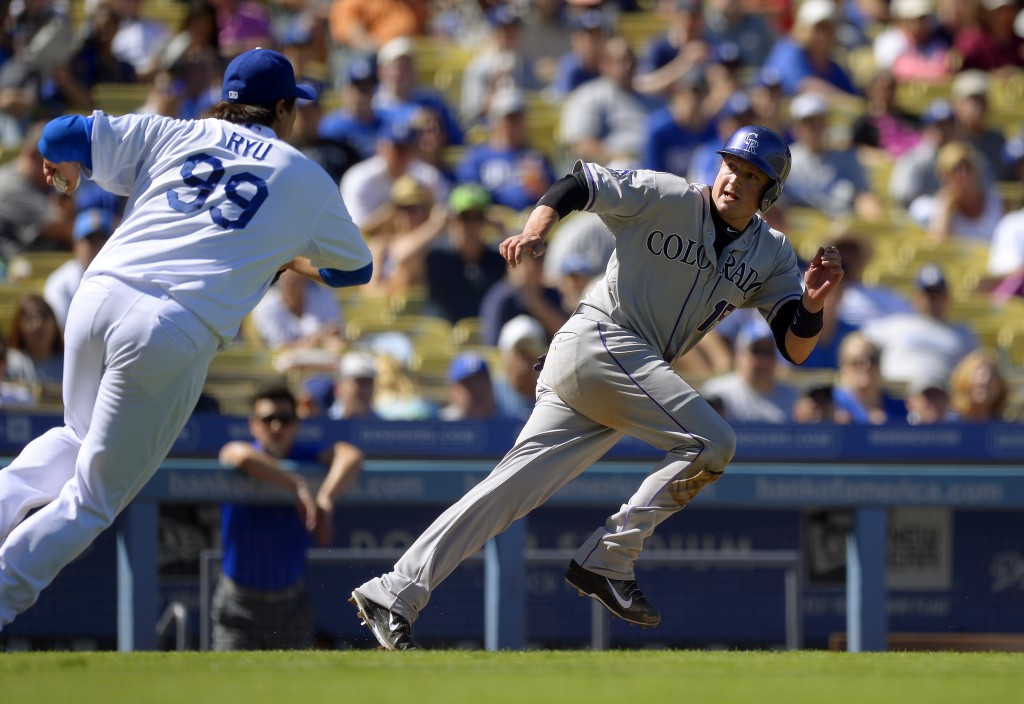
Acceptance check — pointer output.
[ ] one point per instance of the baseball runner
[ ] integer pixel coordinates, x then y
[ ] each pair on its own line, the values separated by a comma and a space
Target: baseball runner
686, 255
216, 207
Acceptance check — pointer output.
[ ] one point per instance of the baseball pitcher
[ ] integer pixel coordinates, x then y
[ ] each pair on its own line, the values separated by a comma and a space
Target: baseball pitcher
216, 207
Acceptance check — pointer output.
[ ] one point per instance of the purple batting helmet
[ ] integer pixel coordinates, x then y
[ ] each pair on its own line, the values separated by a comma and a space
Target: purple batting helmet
767, 151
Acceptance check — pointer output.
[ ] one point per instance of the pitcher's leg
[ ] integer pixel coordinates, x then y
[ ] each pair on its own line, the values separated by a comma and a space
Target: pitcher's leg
139, 411
130, 435
40, 471
555, 445
36, 476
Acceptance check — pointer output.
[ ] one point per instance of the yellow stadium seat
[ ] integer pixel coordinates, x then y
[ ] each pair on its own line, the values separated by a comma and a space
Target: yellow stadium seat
423, 331
640, 27
43, 264
119, 98
1010, 342
409, 301
468, 331
914, 96
358, 305
440, 63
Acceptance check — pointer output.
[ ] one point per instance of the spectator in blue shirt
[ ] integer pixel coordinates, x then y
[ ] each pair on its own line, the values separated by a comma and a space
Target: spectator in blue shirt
705, 160
261, 602
860, 395
515, 174
804, 59
583, 62
683, 48
730, 21
358, 123
398, 96
676, 131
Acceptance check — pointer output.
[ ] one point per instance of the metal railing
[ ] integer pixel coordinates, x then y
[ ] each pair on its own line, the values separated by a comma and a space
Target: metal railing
789, 561
176, 614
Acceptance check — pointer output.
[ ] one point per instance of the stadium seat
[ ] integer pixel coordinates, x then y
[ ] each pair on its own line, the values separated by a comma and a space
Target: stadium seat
411, 300
639, 28
359, 305
119, 98
468, 331
424, 331
43, 264
237, 372
914, 96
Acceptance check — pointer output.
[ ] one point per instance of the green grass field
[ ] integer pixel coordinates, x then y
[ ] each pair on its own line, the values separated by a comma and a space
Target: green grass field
534, 677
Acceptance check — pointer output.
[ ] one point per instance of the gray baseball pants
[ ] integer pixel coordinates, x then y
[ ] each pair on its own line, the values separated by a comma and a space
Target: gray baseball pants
600, 382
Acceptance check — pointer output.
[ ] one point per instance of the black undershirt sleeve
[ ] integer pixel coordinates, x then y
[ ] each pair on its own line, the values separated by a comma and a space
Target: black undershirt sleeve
780, 325
567, 194
793, 316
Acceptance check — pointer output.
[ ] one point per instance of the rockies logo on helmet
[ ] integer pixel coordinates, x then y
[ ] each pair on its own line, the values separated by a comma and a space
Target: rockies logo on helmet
767, 151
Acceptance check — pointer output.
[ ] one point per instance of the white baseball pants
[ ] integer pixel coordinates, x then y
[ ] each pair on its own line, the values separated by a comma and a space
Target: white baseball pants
600, 381
135, 362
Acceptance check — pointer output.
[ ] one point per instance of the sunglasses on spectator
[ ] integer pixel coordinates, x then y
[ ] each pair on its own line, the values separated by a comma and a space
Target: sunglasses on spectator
864, 360
282, 418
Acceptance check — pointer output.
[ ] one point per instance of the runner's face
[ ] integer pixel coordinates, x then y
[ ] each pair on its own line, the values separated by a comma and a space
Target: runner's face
738, 190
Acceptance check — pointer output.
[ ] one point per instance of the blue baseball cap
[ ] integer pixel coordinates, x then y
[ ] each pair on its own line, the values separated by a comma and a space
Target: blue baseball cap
937, 111
92, 221
320, 389
399, 132
588, 20
931, 278
752, 332
503, 16
581, 264
737, 105
465, 365
261, 77
362, 68
769, 77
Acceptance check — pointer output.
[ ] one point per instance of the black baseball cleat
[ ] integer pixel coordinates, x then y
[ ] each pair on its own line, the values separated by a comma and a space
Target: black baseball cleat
392, 631
620, 596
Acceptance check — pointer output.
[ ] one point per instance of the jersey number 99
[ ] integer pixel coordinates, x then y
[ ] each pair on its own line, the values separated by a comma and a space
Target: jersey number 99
205, 186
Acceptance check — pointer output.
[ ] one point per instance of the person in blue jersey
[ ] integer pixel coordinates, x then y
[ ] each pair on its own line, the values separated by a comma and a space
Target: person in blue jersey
357, 123
676, 131
217, 208
514, 173
261, 601
804, 60
398, 96
582, 62
684, 46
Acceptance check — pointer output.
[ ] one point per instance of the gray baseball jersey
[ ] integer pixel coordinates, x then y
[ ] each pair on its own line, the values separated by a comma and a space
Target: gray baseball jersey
664, 280
608, 374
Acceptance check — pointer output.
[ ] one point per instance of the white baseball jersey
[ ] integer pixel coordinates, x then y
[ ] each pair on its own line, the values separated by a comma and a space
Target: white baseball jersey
664, 280
214, 210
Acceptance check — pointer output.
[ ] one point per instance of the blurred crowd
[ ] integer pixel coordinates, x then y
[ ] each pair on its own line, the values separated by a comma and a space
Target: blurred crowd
443, 122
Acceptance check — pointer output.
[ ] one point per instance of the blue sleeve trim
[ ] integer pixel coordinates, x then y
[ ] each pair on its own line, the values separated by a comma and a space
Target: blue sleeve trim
336, 278
68, 138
